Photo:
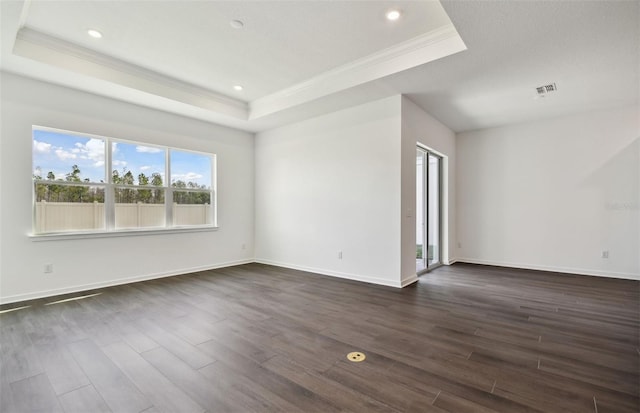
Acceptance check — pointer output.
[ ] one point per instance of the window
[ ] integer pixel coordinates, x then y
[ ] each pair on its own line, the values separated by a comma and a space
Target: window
134, 168
85, 183
191, 187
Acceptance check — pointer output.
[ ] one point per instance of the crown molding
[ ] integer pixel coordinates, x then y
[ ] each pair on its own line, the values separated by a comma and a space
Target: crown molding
41, 47
38, 46
419, 50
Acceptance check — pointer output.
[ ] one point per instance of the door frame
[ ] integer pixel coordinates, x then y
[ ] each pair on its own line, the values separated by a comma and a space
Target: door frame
425, 186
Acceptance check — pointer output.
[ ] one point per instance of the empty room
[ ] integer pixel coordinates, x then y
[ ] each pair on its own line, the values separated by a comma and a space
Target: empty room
319, 206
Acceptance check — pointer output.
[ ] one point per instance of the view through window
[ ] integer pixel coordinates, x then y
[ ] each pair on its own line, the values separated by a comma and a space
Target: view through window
80, 186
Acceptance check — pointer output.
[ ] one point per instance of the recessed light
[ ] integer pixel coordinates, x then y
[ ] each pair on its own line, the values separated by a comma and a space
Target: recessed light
393, 15
238, 88
237, 24
94, 33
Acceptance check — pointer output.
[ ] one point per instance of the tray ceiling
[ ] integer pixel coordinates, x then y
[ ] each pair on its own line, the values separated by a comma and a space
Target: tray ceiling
472, 64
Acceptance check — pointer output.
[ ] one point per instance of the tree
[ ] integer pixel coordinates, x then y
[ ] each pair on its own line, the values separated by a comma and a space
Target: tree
47, 191
97, 194
41, 189
74, 175
123, 195
144, 195
75, 193
184, 196
156, 179
53, 191
157, 194
127, 178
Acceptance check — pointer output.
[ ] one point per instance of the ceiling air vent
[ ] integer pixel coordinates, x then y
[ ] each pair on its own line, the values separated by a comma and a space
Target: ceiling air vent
546, 89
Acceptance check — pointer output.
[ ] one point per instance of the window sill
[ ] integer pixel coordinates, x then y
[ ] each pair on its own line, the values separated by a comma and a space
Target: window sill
121, 233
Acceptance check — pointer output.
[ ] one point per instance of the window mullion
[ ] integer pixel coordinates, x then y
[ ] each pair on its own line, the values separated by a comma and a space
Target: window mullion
109, 193
214, 190
168, 198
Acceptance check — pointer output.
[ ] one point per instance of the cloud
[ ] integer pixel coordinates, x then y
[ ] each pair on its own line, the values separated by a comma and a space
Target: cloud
41, 147
57, 174
92, 150
145, 168
95, 151
147, 149
188, 177
116, 162
65, 155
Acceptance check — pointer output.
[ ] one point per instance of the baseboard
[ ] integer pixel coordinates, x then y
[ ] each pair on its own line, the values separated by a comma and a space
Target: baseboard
348, 276
566, 270
111, 283
409, 280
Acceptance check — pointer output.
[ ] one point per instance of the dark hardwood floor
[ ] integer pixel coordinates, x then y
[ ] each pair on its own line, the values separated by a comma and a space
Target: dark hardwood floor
257, 338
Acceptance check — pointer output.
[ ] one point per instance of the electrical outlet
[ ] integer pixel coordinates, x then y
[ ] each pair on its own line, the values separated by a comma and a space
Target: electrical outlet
48, 268
605, 254
339, 255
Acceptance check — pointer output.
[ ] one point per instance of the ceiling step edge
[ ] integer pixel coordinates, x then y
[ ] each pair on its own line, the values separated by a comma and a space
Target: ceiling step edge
436, 44
38, 46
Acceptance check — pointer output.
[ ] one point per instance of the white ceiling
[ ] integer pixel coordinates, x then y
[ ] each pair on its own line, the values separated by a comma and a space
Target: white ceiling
590, 49
298, 59
282, 43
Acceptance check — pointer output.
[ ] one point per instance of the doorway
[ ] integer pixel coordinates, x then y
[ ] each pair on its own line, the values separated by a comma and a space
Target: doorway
428, 210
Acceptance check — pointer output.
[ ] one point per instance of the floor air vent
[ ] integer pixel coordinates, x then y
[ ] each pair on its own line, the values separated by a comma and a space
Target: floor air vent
546, 89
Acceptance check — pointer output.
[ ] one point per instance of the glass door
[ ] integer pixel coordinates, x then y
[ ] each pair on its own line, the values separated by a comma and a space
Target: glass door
428, 213
421, 211
433, 210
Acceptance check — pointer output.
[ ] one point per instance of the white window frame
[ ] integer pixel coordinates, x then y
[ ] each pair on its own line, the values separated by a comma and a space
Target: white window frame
109, 193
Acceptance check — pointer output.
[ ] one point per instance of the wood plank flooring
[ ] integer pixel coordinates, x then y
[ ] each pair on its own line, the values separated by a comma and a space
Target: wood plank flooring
257, 338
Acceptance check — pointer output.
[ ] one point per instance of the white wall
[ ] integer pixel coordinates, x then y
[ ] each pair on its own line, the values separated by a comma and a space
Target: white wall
332, 184
550, 195
420, 127
81, 264
553, 195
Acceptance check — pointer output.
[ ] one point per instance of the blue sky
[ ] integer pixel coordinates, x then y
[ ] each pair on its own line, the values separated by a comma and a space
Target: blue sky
58, 152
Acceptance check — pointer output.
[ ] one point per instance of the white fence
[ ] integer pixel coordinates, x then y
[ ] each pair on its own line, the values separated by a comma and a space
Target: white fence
71, 216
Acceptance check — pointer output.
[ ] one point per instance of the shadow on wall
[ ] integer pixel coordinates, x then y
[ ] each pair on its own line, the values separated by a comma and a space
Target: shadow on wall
618, 184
